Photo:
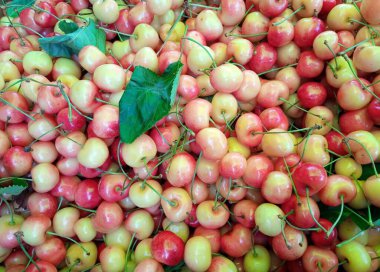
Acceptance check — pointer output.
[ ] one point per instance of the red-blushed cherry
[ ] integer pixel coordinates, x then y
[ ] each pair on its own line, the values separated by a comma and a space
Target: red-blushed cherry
255, 26
213, 235
355, 120
149, 264
192, 220
45, 15
274, 117
7, 34
141, 223
309, 65
309, 177
113, 188
66, 187
12, 114
34, 229
181, 169
335, 142
8, 229
282, 34
300, 213
320, 259
52, 250
244, 212
18, 135
168, 248
122, 23
290, 245
373, 111
233, 165
264, 58
236, 242
17, 162
108, 217
327, 6
277, 187
73, 123
306, 29
287, 164
272, 8
338, 189
319, 237
258, 168
311, 94
42, 266
212, 215
87, 194
42, 203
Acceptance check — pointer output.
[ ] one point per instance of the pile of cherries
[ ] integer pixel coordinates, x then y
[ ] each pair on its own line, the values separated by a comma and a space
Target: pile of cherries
274, 126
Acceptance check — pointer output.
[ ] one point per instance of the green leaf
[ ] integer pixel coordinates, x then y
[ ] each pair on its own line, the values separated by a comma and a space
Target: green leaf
72, 42
19, 185
67, 26
16, 6
369, 171
147, 98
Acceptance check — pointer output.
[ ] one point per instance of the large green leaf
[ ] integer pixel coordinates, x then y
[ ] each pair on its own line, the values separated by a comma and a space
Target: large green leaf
16, 6
74, 39
18, 186
147, 98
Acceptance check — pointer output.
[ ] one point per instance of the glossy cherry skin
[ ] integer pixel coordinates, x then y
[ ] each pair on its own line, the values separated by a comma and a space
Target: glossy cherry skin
168, 248
311, 94
311, 177
264, 58
87, 194
319, 238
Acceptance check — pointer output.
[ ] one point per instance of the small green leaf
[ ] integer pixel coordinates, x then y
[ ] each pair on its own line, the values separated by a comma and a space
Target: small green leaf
19, 185
147, 98
67, 27
71, 43
369, 171
16, 6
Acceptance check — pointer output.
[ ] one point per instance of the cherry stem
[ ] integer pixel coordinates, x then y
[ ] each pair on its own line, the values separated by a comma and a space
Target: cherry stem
134, 36
277, 69
70, 239
11, 24
337, 265
364, 87
127, 256
203, 6
339, 217
119, 160
46, 11
178, 115
289, 16
311, 212
358, 215
18, 236
353, 47
331, 51
10, 86
291, 179
214, 65
17, 108
346, 139
12, 222
30, 29
283, 233
351, 20
229, 34
195, 174
66, 97
351, 239
81, 208
171, 30
245, 14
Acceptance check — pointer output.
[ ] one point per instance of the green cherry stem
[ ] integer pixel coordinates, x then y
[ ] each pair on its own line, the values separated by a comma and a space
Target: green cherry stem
18, 236
12, 222
339, 217
289, 16
127, 256
81, 208
70, 239
195, 174
229, 34
277, 69
291, 179
311, 212
214, 65
353, 47
351, 239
